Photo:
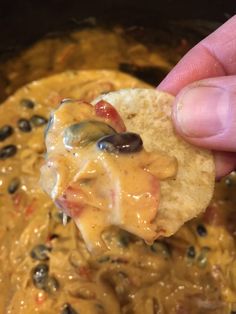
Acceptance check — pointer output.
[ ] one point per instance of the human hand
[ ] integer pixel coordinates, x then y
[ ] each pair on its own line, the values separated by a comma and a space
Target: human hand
204, 83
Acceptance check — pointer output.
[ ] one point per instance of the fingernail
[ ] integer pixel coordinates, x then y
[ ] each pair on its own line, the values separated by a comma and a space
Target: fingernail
202, 111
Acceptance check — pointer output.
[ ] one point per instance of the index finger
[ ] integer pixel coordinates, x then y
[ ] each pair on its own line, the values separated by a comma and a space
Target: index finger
213, 56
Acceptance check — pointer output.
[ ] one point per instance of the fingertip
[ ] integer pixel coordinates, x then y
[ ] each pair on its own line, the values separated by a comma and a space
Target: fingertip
204, 113
164, 86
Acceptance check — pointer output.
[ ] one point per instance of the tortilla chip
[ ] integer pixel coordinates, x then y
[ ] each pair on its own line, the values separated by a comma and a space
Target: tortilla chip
148, 113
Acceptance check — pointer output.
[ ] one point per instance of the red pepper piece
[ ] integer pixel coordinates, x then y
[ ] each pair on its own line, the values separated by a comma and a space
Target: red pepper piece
106, 111
70, 201
16, 200
85, 272
40, 297
213, 215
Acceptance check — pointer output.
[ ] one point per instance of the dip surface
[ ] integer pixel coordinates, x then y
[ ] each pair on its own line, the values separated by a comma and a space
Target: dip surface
44, 266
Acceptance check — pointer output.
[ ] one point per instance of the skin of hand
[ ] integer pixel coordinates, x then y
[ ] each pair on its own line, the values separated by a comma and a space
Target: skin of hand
204, 83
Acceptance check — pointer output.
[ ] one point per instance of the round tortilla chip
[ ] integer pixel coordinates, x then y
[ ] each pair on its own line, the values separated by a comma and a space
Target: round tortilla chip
148, 113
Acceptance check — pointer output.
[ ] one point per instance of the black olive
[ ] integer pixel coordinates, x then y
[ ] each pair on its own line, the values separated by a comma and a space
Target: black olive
51, 285
40, 275
5, 132
161, 248
201, 230
68, 309
58, 217
24, 125
85, 132
27, 103
191, 252
228, 182
124, 238
8, 151
40, 252
121, 143
37, 120
13, 185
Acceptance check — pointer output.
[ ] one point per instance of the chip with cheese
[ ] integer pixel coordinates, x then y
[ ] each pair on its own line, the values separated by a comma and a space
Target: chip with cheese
119, 162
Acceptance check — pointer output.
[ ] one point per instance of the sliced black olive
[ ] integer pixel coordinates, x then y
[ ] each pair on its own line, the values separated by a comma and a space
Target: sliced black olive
51, 285
24, 125
68, 309
85, 132
161, 248
149, 74
37, 120
228, 182
5, 132
13, 185
191, 253
124, 238
126, 142
27, 103
58, 217
8, 151
40, 252
201, 230
121, 283
40, 275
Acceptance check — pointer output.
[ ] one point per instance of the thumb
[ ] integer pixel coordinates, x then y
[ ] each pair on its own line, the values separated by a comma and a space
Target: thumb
204, 113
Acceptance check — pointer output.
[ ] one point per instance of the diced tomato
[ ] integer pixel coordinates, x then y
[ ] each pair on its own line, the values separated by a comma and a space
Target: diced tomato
40, 297
50, 238
155, 186
105, 110
72, 209
213, 216
85, 272
70, 201
29, 209
16, 200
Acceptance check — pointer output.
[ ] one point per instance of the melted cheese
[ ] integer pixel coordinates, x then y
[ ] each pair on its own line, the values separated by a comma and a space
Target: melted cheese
98, 188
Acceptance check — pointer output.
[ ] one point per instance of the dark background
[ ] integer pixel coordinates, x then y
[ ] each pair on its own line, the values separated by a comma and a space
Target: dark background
24, 21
